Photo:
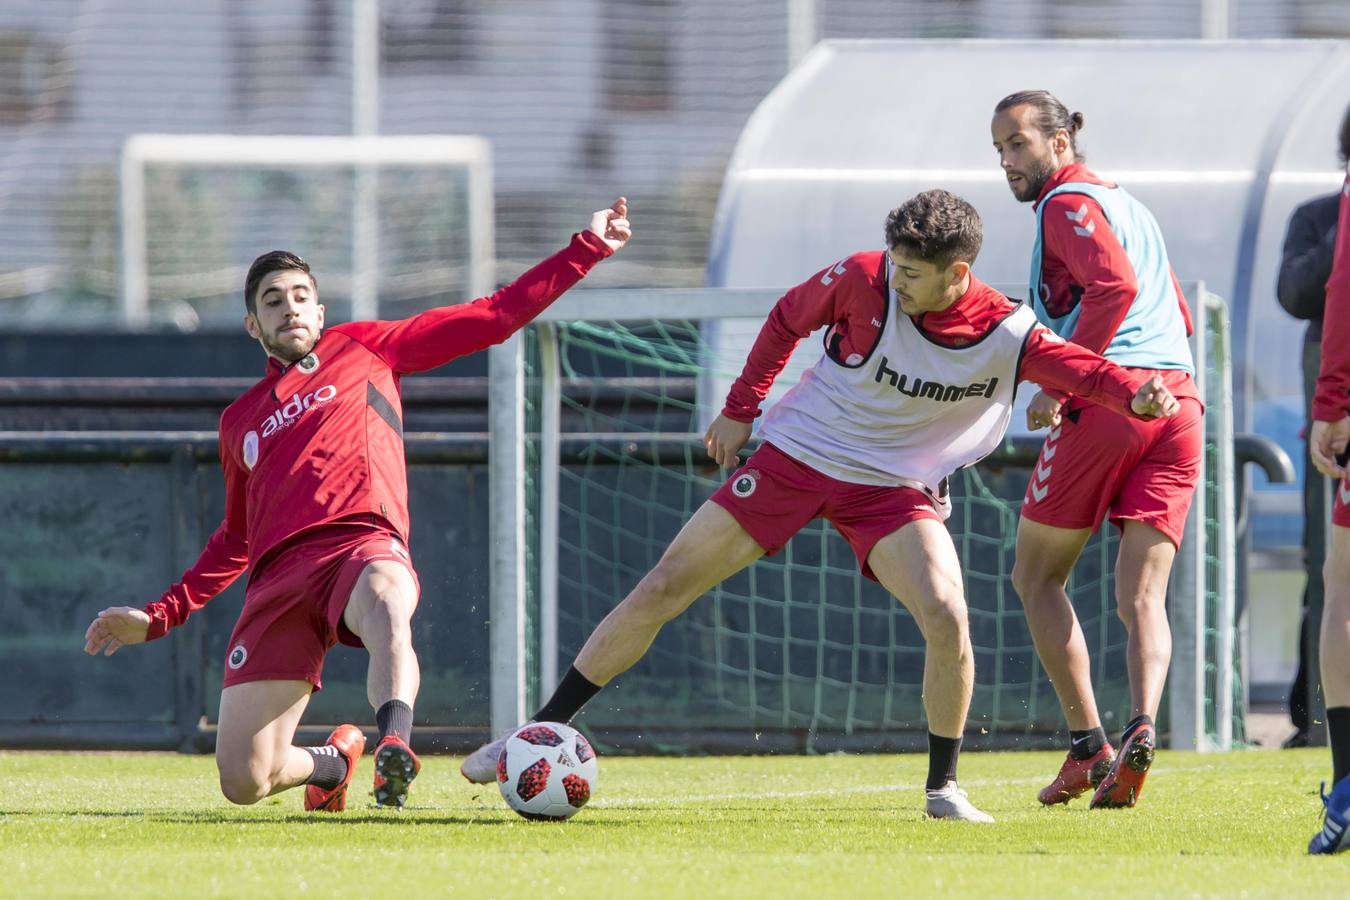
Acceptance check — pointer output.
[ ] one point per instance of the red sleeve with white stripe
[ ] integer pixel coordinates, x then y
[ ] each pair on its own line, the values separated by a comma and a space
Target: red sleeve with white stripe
809, 306
1333, 384
221, 562
1056, 364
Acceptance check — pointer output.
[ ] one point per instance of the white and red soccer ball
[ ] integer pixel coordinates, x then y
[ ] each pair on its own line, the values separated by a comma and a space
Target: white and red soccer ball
547, 771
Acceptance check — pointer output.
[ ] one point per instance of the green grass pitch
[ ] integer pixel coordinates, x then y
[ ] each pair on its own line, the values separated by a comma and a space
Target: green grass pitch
154, 825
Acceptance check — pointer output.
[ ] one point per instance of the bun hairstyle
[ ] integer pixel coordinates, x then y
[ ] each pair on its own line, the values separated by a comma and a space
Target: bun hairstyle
1051, 115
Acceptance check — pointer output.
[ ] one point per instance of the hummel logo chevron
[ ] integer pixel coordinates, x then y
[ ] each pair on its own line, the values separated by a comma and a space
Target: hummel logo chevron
837, 269
1039, 487
1345, 490
1080, 217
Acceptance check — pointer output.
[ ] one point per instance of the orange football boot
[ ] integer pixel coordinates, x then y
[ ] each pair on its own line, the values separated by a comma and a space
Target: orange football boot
395, 768
1078, 776
1121, 786
350, 743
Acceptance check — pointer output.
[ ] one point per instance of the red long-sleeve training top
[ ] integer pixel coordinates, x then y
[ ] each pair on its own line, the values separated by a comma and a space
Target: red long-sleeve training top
321, 440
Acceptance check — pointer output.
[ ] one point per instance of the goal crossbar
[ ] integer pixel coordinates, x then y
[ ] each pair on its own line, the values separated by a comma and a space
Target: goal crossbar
364, 154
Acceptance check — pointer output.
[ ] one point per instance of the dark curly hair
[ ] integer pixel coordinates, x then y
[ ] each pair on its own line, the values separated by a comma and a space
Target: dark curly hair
936, 226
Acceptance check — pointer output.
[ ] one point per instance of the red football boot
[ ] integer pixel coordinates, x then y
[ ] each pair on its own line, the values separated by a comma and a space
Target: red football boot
1121, 786
1078, 776
395, 768
351, 743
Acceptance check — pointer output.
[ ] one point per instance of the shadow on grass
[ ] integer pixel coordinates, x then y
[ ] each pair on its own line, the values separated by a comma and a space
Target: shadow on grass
410, 817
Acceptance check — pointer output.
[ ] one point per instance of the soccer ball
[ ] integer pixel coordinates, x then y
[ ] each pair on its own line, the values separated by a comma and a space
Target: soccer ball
547, 771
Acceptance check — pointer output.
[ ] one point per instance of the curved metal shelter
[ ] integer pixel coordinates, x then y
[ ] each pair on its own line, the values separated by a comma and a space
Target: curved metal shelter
1220, 139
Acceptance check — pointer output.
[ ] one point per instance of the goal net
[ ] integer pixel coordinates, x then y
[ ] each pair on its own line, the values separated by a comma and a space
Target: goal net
798, 652
391, 225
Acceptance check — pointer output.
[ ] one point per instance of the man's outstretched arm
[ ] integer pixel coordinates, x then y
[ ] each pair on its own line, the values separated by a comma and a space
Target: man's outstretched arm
435, 337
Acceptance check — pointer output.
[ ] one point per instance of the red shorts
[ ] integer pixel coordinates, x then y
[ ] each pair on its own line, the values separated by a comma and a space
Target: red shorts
773, 497
292, 612
1098, 464
1340, 508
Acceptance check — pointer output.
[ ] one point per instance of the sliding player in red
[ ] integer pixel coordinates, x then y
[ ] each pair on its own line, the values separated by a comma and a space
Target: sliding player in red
1100, 277
1328, 440
916, 381
316, 506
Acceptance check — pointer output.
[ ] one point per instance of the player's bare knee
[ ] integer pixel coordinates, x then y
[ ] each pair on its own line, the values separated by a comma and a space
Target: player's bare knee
1130, 609
384, 592
1022, 579
397, 602
1125, 613
242, 784
390, 613
1030, 578
946, 622
241, 793
1130, 614
659, 596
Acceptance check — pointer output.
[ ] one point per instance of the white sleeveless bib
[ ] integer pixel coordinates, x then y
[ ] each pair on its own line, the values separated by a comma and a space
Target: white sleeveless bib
910, 414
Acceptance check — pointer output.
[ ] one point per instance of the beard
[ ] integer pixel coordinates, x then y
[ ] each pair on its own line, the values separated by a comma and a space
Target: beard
1033, 181
288, 350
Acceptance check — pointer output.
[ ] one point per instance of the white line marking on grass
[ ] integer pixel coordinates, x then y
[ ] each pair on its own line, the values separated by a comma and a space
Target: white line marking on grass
857, 789
793, 795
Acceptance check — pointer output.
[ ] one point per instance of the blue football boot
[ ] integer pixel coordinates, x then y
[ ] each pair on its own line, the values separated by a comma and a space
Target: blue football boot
1335, 835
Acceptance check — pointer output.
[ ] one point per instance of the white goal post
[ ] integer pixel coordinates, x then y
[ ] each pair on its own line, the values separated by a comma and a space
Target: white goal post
1201, 596
363, 154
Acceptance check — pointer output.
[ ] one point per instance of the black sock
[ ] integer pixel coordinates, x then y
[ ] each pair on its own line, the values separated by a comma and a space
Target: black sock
1338, 735
394, 717
330, 766
572, 693
1086, 744
942, 754
1133, 724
